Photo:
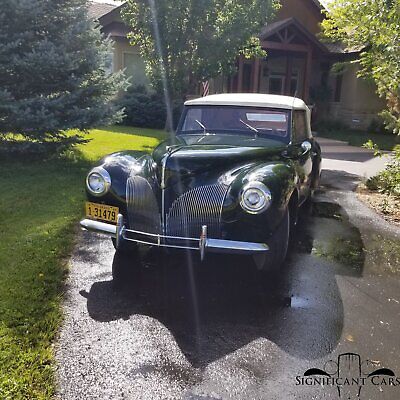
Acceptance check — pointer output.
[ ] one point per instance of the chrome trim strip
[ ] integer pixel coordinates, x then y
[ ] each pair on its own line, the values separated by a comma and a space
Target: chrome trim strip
119, 230
218, 245
99, 227
163, 166
211, 245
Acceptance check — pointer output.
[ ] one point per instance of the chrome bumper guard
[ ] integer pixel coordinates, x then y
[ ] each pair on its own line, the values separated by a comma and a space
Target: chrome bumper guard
203, 243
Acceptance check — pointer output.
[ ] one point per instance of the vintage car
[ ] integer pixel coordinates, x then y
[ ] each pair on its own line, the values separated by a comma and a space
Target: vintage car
231, 179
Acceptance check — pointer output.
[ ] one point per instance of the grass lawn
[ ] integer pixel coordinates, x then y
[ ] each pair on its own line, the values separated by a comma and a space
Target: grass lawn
357, 138
40, 205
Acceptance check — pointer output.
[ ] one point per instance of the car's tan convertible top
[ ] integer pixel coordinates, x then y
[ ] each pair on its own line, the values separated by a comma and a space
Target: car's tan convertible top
252, 100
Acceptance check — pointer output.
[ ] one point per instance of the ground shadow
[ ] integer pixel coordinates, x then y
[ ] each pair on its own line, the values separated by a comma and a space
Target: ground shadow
340, 180
217, 307
344, 152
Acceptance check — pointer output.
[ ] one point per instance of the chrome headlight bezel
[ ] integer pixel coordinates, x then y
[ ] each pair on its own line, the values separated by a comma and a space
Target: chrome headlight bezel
105, 177
263, 192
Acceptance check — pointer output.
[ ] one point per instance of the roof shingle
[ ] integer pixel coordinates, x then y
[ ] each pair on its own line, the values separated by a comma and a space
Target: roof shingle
97, 10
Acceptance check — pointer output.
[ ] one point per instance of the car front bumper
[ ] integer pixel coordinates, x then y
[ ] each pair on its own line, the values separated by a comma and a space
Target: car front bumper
202, 243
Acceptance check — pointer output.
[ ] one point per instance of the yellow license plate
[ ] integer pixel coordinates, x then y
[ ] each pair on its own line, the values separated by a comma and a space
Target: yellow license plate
102, 212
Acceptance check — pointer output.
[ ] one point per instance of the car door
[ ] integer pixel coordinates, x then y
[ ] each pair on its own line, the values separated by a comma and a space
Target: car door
302, 151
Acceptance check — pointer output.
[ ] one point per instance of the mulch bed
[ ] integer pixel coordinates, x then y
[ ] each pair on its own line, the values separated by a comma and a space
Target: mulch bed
386, 205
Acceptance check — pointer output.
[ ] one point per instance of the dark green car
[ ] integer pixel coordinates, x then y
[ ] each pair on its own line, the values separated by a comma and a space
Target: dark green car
231, 180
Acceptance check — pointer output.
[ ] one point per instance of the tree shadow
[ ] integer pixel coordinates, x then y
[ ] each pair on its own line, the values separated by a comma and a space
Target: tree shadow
215, 308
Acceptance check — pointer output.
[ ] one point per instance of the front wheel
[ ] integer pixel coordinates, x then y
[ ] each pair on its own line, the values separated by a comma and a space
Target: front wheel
125, 268
278, 247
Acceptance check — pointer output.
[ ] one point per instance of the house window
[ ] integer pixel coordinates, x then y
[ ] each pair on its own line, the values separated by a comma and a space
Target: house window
135, 69
276, 84
300, 130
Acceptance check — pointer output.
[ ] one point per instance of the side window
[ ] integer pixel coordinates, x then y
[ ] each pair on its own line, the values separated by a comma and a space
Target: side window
299, 126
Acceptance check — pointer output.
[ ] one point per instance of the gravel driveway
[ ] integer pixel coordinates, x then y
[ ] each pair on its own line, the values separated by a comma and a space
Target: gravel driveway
183, 330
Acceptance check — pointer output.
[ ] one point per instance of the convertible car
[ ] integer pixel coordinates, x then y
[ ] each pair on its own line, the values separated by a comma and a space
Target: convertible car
231, 179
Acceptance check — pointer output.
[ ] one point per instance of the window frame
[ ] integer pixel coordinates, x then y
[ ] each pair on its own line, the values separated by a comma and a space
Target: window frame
294, 135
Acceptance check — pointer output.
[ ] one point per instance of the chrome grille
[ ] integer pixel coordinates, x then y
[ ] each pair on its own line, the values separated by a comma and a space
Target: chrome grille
195, 208
142, 207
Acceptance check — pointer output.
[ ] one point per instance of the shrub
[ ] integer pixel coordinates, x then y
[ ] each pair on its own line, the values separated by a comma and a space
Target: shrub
388, 181
146, 109
378, 126
330, 125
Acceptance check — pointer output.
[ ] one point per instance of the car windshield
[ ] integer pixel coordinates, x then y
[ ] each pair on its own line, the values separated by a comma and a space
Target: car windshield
256, 121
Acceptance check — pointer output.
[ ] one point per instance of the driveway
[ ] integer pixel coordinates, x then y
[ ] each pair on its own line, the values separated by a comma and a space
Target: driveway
183, 330
339, 155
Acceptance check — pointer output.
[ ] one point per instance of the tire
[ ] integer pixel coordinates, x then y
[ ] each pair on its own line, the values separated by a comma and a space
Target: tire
125, 268
278, 246
316, 178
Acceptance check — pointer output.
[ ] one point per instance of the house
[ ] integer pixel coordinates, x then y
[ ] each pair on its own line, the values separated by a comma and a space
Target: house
297, 63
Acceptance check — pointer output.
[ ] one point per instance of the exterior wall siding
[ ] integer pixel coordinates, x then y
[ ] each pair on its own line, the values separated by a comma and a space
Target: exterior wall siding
359, 104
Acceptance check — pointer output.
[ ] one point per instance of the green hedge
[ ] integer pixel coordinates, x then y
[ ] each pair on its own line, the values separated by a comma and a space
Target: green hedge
146, 109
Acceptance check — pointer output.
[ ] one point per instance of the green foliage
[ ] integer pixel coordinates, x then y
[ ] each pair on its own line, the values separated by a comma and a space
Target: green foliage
146, 109
41, 203
330, 125
197, 40
388, 181
373, 27
53, 74
377, 125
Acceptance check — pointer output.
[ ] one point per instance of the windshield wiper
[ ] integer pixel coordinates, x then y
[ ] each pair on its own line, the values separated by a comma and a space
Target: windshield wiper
203, 126
249, 126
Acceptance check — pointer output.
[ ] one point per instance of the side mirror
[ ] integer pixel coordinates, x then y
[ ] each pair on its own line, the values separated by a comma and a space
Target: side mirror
297, 150
314, 133
306, 146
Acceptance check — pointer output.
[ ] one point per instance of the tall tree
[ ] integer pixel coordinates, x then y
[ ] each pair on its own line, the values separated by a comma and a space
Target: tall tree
184, 42
53, 72
374, 27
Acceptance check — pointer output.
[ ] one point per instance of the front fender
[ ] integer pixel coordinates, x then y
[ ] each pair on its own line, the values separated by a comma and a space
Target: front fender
281, 179
120, 166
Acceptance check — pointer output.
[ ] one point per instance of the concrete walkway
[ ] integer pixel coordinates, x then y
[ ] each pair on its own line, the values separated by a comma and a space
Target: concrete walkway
339, 156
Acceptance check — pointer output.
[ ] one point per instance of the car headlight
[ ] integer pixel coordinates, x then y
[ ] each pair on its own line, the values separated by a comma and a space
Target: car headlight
255, 197
98, 181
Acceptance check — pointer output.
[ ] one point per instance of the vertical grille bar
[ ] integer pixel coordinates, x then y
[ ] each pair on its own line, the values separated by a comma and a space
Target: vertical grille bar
195, 208
143, 212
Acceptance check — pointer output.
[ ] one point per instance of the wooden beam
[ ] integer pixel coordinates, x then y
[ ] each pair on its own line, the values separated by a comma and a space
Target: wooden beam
288, 79
280, 37
267, 44
307, 75
240, 74
256, 75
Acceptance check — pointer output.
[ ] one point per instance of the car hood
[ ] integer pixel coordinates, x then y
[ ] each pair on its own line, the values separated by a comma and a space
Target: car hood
212, 155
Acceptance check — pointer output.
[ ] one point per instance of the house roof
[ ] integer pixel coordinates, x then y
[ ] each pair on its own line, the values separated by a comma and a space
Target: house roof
250, 99
270, 29
318, 4
331, 48
98, 10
